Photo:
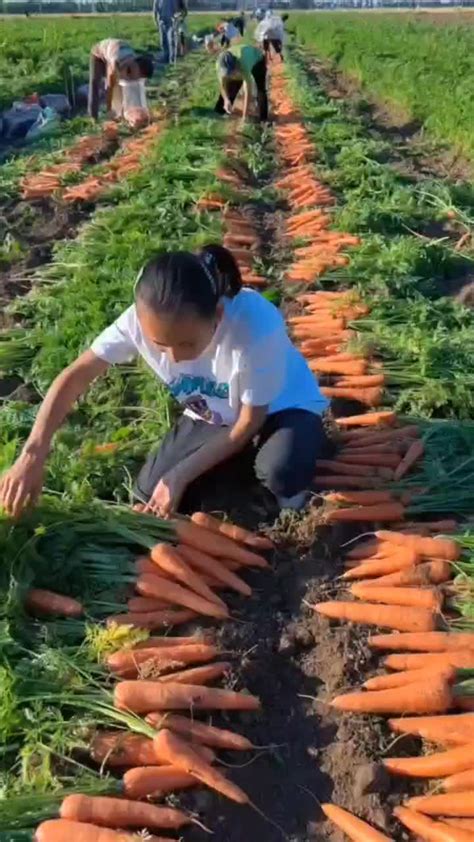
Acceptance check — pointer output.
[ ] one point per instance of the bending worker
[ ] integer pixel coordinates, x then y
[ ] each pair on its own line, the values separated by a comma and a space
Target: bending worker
111, 61
238, 66
226, 357
166, 13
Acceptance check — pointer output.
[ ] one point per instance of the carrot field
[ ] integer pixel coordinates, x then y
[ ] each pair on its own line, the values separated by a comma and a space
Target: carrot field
307, 676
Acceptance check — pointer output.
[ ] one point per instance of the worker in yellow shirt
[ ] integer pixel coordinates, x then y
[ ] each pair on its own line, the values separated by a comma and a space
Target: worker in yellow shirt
236, 68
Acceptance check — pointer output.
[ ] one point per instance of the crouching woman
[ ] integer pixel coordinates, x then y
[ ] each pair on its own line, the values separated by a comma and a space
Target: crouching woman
237, 67
224, 353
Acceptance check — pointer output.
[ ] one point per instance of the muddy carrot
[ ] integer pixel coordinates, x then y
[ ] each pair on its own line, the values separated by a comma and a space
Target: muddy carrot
155, 781
459, 804
389, 616
152, 620
118, 748
438, 547
380, 511
236, 533
40, 602
168, 559
127, 663
360, 498
370, 419
417, 597
463, 659
149, 696
353, 827
211, 566
429, 830
427, 642
423, 698
200, 732
427, 573
57, 830
460, 781
400, 679
413, 455
159, 588
183, 756
216, 545
455, 729
198, 675
118, 812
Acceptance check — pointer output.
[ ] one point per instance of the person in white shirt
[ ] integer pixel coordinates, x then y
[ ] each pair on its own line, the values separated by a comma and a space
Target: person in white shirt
224, 353
270, 33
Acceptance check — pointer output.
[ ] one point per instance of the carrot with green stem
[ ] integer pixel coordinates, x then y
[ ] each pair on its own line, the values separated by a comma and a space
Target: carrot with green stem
213, 567
401, 678
199, 732
361, 514
455, 729
149, 696
204, 675
126, 663
168, 559
360, 498
438, 547
429, 830
370, 419
377, 567
184, 757
119, 813
144, 604
159, 588
428, 598
423, 698
232, 531
434, 572
463, 824
155, 781
58, 830
39, 602
215, 544
389, 616
462, 659
438, 765
412, 456
460, 781
152, 620
352, 826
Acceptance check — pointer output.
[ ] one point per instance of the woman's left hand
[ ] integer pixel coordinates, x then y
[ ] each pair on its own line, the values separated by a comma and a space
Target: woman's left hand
167, 494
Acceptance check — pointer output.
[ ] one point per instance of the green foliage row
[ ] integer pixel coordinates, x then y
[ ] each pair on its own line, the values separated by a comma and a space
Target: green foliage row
427, 71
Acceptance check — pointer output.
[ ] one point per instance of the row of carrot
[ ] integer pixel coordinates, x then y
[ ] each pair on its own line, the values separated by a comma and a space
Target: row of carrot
162, 676
405, 576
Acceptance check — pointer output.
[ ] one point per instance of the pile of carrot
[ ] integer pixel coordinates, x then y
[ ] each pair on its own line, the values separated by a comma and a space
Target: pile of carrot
169, 681
87, 149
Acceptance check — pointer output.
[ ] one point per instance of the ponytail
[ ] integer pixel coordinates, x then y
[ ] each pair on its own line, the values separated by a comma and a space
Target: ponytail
176, 282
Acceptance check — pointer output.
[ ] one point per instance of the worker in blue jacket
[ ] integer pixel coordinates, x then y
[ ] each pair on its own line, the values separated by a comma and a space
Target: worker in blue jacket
166, 13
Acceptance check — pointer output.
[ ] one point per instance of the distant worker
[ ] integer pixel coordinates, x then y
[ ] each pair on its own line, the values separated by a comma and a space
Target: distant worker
237, 67
270, 33
167, 14
229, 32
113, 61
239, 22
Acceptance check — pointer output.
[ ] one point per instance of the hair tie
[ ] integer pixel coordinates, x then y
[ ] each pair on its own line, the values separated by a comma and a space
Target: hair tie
208, 264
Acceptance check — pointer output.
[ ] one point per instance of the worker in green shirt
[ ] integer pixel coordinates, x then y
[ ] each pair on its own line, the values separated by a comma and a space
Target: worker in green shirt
236, 67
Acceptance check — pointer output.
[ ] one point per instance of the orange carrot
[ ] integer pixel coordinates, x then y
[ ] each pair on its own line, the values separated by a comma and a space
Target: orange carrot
377, 567
58, 830
361, 498
140, 604
417, 597
169, 640
152, 620
342, 468
149, 696
128, 663
460, 781
455, 729
423, 698
215, 568
413, 454
236, 533
459, 659
438, 547
427, 642
362, 381
200, 732
464, 824
366, 395
119, 748
159, 588
182, 755
365, 548
370, 419
389, 616
400, 679
144, 564
429, 830
345, 482
324, 366
380, 511
385, 460
459, 804
154, 781
168, 559
428, 573
438, 765
40, 602
198, 675
216, 545
118, 812
353, 827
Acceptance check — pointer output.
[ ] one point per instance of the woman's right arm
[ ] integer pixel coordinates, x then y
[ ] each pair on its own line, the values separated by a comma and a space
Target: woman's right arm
22, 484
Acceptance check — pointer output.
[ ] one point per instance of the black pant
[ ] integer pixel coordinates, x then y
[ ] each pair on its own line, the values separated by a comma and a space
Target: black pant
283, 456
225, 41
259, 74
97, 74
275, 43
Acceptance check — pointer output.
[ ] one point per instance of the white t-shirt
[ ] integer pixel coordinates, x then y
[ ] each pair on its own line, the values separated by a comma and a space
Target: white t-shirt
271, 28
250, 360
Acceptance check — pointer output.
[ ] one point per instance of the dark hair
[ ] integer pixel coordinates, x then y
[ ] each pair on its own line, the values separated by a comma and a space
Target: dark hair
227, 63
285, 16
146, 66
175, 281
